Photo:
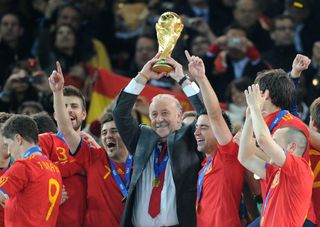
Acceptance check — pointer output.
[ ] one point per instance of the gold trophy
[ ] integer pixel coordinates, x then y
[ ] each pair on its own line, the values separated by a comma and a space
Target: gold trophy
168, 27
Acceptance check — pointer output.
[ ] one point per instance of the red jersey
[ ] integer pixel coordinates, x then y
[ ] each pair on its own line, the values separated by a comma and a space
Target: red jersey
289, 193
221, 189
33, 186
287, 120
315, 165
104, 200
2, 171
71, 212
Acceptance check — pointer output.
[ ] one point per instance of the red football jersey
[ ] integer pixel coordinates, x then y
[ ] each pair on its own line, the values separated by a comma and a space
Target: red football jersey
315, 165
2, 171
289, 193
287, 120
72, 211
221, 189
33, 186
104, 200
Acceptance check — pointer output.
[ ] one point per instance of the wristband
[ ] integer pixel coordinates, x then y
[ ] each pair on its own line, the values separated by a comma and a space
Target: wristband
183, 79
143, 75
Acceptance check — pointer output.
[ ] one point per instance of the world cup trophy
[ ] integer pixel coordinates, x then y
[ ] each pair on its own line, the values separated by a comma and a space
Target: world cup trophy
168, 27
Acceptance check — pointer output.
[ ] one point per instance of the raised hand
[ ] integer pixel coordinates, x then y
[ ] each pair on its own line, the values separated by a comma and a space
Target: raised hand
196, 66
299, 64
177, 73
254, 97
147, 72
56, 80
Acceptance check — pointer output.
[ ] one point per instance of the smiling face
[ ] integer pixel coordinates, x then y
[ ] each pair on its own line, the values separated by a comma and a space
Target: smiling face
112, 141
165, 115
75, 110
206, 141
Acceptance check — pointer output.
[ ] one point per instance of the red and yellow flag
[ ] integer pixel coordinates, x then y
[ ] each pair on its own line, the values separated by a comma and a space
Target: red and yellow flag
108, 86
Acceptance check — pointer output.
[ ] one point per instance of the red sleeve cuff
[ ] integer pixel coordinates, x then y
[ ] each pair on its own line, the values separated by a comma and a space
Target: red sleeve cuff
253, 53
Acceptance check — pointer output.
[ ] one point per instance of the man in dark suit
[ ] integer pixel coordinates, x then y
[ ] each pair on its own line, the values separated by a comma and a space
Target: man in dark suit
163, 184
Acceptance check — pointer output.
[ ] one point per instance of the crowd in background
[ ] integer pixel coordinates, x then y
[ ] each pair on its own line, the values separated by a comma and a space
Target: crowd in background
236, 39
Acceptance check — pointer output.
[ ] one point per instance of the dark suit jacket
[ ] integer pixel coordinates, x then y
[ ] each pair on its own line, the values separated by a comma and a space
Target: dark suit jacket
182, 148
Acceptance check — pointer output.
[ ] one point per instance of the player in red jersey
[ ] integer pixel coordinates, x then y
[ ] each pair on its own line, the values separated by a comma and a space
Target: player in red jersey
31, 187
4, 158
288, 175
72, 211
280, 92
108, 169
314, 153
220, 180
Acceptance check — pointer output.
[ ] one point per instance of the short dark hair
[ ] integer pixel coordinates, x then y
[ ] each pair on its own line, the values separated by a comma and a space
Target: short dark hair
13, 13
280, 18
36, 105
224, 115
315, 112
107, 117
44, 122
281, 87
4, 116
241, 84
190, 113
73, 91
235, 26
23, 125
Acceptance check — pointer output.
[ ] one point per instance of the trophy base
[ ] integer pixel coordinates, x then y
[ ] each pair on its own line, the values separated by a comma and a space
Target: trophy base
162, 67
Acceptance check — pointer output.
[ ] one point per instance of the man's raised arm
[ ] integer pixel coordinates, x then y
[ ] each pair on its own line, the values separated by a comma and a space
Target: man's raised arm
247, 150
56, 82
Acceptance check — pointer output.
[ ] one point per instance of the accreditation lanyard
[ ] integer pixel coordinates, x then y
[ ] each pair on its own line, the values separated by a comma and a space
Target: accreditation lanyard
277, 119
122, 186
159, 167
201, 177
60, 136
31, 151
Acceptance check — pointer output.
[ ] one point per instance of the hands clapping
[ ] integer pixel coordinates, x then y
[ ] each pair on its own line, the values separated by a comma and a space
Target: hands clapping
254, 97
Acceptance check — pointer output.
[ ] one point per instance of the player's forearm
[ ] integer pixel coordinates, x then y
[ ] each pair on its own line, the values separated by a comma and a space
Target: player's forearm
246, 143
260, 128
63, 121
210, 98
264, 138
211, 102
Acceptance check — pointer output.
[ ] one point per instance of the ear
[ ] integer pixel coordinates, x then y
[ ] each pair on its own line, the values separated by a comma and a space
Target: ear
266, 94
292, 146
19, 139
84, 115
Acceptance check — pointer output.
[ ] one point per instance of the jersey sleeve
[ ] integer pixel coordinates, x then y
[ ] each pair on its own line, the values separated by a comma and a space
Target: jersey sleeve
46, 143
14, 179
86, 154
295, 165
270, 169
69, 168
230, 148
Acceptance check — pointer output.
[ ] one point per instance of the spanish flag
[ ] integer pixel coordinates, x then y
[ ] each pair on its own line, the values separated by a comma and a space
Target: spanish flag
108, 86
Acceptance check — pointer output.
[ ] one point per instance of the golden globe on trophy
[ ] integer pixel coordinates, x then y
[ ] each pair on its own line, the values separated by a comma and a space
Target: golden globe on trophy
168, 27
